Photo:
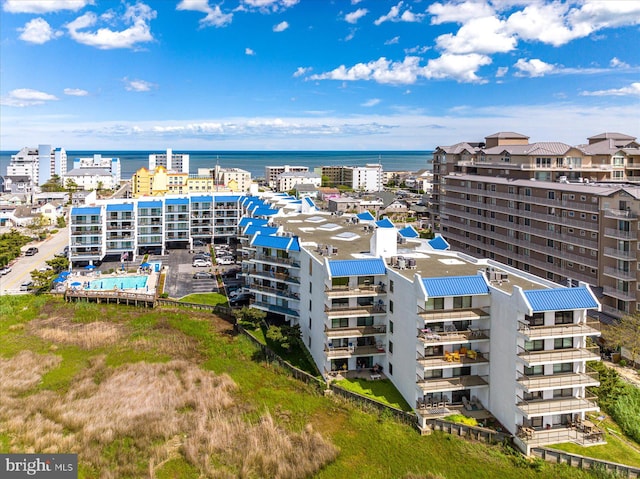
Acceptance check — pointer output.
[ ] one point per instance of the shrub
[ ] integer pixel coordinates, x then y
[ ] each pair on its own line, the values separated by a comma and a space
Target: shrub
459, 418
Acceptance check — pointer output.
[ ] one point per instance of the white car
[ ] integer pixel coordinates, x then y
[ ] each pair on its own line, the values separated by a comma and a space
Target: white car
201, 263
225, 260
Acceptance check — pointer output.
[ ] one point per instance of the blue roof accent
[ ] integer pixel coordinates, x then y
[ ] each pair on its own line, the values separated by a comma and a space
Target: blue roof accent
455, 286
439, 243
277, 242
247, 220
177, 201
265, 211
366, 216
409, 232
309, 201
263, 230
385, 223
560, 299
150, 204
201, 199
86, 210
227, 199
356, 267
120, 207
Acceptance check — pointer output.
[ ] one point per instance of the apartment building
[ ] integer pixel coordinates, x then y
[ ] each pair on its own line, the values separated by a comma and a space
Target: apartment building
271, 173
178, 162
233, 179
33, 167
367, 178
565, 213
98, 162
158, 182
288, 181
448, 330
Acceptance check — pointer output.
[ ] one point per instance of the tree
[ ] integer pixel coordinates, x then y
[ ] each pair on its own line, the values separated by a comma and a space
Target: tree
52, 184
38, 226
71, 186
286, 336
325, 181
249, 315
42, 280
59, 264
625, 333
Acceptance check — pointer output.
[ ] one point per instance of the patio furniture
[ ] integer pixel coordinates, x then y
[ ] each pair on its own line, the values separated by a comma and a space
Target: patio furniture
456, 356
448, 357
471, 354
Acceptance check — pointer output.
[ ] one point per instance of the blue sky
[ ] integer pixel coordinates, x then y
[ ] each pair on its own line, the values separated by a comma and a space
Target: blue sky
314, 74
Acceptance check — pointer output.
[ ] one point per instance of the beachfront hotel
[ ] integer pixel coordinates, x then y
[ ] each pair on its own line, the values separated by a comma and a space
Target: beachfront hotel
376, 300
566, 213
33, 167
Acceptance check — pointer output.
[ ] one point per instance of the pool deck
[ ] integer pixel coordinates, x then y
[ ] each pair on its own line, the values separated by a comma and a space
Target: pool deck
143, 296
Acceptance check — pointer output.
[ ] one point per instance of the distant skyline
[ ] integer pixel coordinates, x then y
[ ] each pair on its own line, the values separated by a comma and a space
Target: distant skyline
314, 74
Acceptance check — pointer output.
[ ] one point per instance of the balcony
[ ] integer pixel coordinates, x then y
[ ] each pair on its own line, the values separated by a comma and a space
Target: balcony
440, 315
547, 407
355, 310
620, 254
355, 331
429, 337
277, 260
620, 234
275, 308
557, 381
458, 383
284, 277
360, 290
555, 356
440, 362
590, 328
620, 215
622, 274
283, 293
335, 352
619, 293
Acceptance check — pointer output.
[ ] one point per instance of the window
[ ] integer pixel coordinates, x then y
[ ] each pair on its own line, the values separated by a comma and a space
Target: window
391, 369
534, 370
563, 343
536, 320
563, 393
391, 327
535, 345
391, 285
461, 302
390, 306
310, 306
564, 317
391, 347
365, 321
562, 368
434, 303
310, 288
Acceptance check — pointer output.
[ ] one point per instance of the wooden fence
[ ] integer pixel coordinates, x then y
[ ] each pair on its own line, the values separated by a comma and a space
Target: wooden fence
582, 462
469, 432
368, 404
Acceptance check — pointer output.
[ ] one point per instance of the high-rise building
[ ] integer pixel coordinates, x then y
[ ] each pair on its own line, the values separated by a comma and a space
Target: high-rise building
271, 173
33, 167
178, 162
565, 213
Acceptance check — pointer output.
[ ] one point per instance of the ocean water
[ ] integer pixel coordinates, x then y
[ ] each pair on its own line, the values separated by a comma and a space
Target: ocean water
255, 161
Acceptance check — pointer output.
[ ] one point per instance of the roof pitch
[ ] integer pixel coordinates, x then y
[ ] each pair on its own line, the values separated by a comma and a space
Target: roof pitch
439, 243
560, 299
120, 207
408, 232
455, 286
246, 220
176, 201
226, 199
385, 223
356, 267
265, 211
150, 204
366, 216
263, 230
84, 210
277, 242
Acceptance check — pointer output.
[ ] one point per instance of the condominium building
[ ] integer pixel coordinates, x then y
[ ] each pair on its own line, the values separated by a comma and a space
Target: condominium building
178, 162
271, 173
234, 179
288, 181
38, 165
112, 165
367, 178
448, 330
565, 213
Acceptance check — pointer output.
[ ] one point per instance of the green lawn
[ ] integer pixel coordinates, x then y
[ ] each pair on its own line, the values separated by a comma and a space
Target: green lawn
371, 445
381, 390
211, 299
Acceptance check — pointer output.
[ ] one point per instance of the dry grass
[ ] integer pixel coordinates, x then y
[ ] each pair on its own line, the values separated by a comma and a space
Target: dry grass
123, 421
84, 335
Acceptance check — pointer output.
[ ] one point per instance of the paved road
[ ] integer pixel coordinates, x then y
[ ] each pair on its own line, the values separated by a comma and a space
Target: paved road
22, 267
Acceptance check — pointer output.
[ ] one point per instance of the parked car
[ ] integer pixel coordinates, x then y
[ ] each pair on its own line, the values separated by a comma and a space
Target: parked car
198, 263
232, 273
26, 286
198, 243
64, 253
241, 299
203, 275
31, 251
225, 260
5, 270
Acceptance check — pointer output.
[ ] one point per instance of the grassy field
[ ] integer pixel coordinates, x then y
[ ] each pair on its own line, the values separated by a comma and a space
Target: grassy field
176, 394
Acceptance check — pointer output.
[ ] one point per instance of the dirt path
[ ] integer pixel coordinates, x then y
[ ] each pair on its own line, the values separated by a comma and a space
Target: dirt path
630, 375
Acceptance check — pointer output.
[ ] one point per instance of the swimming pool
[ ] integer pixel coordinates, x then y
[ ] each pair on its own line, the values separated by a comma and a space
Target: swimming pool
124, 282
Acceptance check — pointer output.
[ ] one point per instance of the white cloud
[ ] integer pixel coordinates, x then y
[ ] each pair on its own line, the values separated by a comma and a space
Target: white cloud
137, 85
249, 51
23, 97
214, 15
353, 17
44, 6
301, 71
393, 41
458, 12
394, 15
371, 102
75, 92
631, 90
380, 71
479, 35
501, 71
138, 16
281, 27
38, 31
268, 6
617, 63
533, 68
461, 68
